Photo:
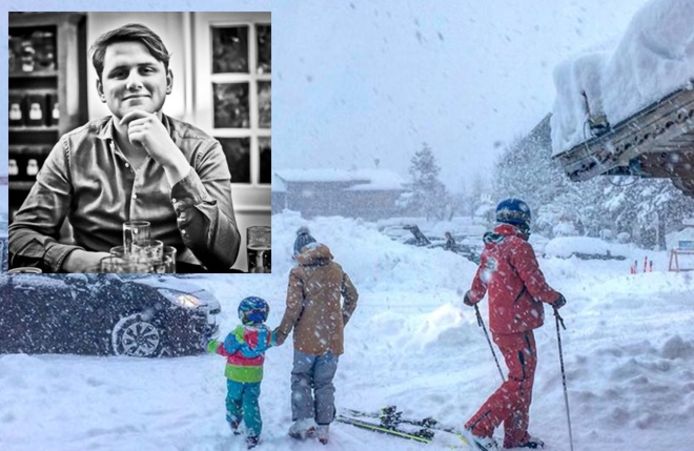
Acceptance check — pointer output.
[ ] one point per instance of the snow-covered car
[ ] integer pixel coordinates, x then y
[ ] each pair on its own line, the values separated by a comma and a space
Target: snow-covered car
585, 248
146, 316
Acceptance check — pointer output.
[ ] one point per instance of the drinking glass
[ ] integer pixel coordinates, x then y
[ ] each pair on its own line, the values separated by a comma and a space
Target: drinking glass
150, 251
168, 261
113, 264
258, 249
135, 232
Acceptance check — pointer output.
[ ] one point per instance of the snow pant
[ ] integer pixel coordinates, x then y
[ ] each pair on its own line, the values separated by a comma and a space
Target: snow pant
510, 403
242, 404
312, 377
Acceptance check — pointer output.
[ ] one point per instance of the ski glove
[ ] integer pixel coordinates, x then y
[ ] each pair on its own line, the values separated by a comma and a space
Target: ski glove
467, 300
560, 302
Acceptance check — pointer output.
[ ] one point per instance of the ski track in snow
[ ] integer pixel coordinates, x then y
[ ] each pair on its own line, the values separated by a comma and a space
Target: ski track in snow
628, 352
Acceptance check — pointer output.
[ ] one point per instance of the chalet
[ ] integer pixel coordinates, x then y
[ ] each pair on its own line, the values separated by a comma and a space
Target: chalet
629, 110
368, 194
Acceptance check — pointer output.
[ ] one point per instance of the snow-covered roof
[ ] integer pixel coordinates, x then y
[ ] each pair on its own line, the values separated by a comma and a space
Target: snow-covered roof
364, 179
653, 58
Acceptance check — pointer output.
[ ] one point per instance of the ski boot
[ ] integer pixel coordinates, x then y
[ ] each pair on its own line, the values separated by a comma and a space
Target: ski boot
480, 443
531, 443
323, 433
302, 429
252, 441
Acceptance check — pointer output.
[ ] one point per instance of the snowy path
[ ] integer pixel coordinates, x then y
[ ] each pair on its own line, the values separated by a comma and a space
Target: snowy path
629, 353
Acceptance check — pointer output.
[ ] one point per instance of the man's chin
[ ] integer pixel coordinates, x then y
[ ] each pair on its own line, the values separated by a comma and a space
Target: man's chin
151, 109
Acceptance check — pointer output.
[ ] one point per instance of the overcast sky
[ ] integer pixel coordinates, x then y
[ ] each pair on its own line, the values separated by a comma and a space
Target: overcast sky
355, 81
364, 80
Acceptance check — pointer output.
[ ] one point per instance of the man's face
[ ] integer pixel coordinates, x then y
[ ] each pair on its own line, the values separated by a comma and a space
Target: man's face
133, 79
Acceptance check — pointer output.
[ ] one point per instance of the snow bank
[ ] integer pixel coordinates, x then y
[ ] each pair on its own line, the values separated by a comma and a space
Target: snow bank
654, 57
567, 246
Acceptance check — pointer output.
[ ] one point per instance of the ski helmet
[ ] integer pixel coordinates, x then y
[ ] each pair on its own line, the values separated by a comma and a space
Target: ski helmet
513, 211
253, 310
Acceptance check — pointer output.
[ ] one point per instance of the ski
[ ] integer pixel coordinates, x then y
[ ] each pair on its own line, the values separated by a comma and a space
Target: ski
390, 416
391, 421
421, 436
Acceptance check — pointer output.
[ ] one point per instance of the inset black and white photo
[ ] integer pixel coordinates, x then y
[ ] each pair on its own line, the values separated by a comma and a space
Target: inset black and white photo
138, 142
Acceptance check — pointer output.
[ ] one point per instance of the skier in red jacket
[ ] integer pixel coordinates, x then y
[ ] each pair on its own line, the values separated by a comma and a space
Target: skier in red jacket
510, 275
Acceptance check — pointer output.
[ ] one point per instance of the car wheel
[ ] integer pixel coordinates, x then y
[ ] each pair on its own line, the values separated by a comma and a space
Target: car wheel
135, 336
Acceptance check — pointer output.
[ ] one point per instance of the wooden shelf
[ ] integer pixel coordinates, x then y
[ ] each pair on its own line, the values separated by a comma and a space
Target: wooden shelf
21, 185
29, 151
35, 74
34, 128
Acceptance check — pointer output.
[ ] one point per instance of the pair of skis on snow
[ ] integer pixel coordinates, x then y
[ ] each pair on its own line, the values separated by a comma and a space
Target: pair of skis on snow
390, 421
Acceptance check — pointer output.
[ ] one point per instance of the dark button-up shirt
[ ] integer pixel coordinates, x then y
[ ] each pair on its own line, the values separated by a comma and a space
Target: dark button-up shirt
87, 179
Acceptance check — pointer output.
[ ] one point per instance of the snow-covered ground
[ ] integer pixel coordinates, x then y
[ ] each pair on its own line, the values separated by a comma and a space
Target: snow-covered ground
629, 354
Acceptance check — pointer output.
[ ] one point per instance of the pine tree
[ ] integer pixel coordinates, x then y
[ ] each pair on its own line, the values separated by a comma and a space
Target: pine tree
427, 194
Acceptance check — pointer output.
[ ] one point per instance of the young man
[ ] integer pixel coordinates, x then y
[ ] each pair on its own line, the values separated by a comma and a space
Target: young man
136, 164
509, 274
314, 312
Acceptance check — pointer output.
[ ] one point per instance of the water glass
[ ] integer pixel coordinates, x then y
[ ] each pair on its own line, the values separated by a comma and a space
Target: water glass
113, 264
150, 251
258, 249
168, 261
135, 232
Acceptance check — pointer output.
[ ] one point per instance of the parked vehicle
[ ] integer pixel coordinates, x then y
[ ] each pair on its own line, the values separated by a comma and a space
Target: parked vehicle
145, 316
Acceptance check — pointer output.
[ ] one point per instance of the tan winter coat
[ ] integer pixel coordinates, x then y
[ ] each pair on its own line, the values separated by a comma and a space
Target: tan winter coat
313, 303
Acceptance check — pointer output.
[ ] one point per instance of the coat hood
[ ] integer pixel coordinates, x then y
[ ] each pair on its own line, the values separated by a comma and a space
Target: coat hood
500, 233
318, 254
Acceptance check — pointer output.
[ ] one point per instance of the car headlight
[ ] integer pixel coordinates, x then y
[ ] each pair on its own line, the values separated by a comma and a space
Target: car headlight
185, 300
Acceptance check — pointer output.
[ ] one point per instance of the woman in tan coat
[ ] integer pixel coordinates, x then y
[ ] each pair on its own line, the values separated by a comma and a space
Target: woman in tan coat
318, 318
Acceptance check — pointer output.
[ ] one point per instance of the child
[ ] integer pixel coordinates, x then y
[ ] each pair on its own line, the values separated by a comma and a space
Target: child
244, 349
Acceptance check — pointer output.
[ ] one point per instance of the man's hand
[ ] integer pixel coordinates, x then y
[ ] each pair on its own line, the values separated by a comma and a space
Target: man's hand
147, 131
80, 260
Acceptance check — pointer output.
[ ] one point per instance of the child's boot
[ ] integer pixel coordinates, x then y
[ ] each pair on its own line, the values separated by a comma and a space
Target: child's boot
234, 426
252, 441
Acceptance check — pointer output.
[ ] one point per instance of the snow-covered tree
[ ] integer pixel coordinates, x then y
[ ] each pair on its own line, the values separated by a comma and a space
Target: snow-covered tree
646, 209
427, 194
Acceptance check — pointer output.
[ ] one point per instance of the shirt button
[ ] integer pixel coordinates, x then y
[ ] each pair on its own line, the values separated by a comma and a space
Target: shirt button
173, 200
134, 196
127, 165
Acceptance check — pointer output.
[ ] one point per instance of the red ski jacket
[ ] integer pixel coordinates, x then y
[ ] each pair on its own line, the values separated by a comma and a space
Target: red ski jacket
509, 273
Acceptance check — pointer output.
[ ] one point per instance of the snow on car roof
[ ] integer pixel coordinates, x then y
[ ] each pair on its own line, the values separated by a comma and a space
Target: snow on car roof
653, 58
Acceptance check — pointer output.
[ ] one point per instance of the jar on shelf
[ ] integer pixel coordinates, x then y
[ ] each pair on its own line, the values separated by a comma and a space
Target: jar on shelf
35, 115
27, 56
53, 108
44, 46
15, 114
32, 168
12, 167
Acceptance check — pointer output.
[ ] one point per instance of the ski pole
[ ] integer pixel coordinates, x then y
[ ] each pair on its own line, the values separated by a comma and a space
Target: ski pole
480, 322
558, 319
